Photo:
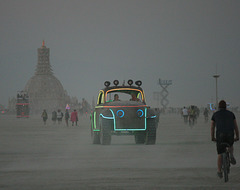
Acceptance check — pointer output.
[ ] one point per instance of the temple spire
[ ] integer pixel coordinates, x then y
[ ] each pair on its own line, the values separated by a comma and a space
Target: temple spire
43, 65
43, 43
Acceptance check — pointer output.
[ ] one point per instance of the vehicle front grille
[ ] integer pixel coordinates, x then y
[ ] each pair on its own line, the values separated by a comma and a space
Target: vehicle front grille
129, 119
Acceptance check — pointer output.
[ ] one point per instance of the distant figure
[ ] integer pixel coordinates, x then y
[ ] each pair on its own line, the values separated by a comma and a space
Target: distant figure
116, 97
205, 113
59, 116
54, 117
192, 115
74, 117
44, 116
185, 114
226, 125
134, 98
66, 117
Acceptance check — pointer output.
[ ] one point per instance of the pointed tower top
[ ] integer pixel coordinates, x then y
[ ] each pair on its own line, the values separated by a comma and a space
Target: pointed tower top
43, 65
43, 43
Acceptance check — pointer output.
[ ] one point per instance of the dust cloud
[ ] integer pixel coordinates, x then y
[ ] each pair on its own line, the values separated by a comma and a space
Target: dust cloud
55, 157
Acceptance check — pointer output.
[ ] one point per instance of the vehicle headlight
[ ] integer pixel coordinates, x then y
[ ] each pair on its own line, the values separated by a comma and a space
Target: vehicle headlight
120, 113
140, 113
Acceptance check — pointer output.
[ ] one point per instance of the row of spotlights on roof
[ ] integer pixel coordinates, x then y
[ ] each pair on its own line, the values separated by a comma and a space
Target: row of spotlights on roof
130, 82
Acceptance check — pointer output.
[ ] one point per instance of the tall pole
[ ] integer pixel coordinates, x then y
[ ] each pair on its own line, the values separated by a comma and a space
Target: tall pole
216, 77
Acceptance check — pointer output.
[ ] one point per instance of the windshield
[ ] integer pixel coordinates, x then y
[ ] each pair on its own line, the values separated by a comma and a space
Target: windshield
124, 95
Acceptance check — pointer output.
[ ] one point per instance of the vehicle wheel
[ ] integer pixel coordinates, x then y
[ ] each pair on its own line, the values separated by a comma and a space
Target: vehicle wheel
151, 133
140, 137
95, 137
225, 166
105, 133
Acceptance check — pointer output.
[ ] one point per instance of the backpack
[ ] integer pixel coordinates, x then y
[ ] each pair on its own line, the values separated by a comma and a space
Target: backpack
192, 112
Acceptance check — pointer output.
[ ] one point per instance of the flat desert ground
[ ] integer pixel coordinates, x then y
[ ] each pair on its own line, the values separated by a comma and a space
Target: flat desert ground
57, 157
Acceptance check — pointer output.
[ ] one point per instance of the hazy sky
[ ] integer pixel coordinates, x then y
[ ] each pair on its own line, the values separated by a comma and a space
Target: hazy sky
92, 41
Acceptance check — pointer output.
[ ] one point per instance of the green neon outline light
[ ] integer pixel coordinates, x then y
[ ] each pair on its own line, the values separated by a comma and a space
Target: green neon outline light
94, 128
91, 120
95, 120
145, 118
114, 120
105, 117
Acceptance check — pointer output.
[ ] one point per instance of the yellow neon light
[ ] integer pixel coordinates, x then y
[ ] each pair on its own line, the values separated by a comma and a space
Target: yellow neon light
100, 96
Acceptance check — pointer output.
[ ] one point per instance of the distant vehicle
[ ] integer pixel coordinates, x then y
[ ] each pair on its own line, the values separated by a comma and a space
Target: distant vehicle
122, 110
2, 110
22, 105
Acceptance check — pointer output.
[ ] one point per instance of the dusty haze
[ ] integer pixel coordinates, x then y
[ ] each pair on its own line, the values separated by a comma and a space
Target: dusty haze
56, 157
93, 41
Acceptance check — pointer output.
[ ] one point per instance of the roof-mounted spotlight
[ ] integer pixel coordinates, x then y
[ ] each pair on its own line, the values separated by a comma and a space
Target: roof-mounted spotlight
115, 82
138, 83
130, 82
107, 83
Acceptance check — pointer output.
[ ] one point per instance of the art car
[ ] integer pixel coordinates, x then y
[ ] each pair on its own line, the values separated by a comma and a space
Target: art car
122, 110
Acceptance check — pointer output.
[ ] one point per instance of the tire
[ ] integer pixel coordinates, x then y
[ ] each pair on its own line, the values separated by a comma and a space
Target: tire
151, 132
140, 137
225, 166
105, 133
95, 137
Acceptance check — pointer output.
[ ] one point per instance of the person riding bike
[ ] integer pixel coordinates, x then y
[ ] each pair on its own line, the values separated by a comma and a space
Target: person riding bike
225, 123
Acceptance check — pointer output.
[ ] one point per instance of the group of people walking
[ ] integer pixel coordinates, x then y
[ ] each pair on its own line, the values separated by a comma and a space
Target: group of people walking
190, 115
57, 117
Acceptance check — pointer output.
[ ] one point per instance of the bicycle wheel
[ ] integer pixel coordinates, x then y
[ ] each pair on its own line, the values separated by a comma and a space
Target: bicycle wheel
225, 166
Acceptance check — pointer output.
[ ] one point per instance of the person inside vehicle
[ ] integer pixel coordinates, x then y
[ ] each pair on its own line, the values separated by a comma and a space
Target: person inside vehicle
134, 98
225, 123
116, 97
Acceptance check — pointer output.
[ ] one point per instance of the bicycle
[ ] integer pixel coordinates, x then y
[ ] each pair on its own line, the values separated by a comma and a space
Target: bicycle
225, 161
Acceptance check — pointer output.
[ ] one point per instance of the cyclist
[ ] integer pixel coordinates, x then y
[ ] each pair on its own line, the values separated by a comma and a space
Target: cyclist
225, 123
